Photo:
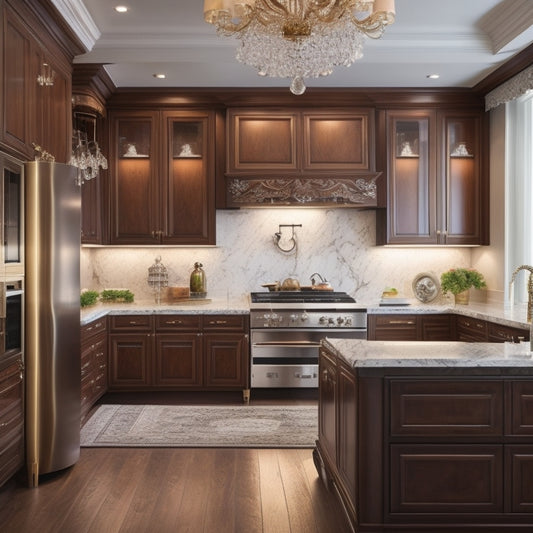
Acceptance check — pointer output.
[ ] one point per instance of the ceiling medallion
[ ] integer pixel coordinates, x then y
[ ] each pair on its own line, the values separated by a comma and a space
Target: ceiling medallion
299, 39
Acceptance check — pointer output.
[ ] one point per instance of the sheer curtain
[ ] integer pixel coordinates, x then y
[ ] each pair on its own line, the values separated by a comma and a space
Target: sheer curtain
519, 191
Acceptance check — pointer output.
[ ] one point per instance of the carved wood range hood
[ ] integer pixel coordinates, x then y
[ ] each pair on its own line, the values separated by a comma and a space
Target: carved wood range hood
320, 158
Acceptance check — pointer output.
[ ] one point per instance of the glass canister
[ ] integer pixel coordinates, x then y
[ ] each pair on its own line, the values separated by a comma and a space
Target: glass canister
198, 283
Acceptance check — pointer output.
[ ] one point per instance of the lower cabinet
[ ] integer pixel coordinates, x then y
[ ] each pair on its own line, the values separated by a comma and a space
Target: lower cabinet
11, 416
438, 327
93, 364
179, 352
427, 450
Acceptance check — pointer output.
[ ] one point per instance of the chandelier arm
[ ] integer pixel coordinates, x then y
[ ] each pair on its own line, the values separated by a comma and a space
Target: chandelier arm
373, 26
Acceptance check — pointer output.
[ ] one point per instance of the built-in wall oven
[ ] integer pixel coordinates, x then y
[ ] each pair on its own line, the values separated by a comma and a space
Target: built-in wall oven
11, 316
286, 328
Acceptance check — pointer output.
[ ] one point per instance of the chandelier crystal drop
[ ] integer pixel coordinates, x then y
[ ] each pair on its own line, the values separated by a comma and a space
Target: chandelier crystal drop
299, 39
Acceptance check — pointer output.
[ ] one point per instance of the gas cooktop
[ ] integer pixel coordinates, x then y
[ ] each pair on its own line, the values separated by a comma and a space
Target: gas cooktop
273, 298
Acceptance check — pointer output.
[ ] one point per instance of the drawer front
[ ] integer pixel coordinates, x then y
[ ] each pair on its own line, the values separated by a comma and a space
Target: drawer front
445, 408
171, 323
226, 322
498, 333
131, 322
93, 328
393, 327
471, 329
446, 479
522, 408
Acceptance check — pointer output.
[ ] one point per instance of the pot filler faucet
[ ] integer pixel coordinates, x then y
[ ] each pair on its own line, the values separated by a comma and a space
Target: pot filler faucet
529, 297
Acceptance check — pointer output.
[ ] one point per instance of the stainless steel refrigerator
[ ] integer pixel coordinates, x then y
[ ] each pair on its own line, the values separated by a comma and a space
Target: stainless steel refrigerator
52, 317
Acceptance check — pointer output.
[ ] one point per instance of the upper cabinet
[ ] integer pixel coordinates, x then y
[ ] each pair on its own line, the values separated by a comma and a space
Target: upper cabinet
435, 192
162, 177
300, 157
36, 85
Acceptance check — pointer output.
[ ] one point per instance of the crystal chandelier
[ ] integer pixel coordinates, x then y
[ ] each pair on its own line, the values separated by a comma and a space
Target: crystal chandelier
299, 38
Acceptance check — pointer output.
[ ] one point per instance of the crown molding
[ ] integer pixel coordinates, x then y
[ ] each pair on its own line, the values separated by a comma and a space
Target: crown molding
79, 20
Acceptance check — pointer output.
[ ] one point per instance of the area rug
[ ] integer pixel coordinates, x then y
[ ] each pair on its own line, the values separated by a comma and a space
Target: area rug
177, 426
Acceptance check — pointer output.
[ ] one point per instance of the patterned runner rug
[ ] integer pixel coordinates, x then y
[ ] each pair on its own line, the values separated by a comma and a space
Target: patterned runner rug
177, 426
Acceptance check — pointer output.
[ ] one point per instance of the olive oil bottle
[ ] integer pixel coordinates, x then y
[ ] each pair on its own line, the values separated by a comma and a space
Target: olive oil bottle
198, 283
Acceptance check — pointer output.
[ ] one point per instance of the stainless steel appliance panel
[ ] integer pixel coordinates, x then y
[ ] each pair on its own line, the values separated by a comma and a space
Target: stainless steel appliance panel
52, 326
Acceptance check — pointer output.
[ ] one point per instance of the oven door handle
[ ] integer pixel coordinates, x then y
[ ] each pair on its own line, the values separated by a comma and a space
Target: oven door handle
288, 344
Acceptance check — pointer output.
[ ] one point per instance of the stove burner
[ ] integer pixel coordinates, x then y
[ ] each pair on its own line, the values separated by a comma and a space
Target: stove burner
301, 297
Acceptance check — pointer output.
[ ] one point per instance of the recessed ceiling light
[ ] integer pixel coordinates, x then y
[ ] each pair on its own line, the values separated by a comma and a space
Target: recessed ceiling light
160, 76
121, 9
433, 76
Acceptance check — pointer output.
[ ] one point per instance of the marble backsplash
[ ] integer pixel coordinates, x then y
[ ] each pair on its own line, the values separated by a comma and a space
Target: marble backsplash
337, 243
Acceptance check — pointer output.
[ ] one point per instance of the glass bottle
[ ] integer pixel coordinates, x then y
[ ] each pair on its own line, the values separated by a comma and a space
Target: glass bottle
198, 284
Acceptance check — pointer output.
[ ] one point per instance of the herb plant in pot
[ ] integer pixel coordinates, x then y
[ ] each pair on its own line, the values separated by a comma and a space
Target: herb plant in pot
459, 281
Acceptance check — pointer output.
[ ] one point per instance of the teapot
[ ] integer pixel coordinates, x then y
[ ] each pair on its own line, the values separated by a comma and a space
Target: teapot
324, 284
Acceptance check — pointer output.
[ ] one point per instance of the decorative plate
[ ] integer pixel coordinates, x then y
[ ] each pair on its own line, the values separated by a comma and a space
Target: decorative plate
426, 287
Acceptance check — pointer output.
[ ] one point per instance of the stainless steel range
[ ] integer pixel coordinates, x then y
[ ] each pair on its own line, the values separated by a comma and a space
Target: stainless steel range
286, 329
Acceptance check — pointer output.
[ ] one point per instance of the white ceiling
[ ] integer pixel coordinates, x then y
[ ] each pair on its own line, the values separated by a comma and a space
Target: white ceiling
462, 40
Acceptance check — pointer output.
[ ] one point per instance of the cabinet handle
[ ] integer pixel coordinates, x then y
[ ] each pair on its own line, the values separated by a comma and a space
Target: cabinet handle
480, 326
325, 375
405, 322
172, 322
217, 322
133, 323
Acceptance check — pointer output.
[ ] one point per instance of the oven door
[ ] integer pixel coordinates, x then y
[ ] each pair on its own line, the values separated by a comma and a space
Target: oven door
289, 357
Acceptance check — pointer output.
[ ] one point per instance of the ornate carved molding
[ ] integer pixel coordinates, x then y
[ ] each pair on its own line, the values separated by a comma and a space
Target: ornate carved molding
515, 87
357, 191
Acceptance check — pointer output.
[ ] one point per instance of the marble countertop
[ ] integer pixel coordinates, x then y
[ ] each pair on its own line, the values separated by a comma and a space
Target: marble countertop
362, 353
226, 306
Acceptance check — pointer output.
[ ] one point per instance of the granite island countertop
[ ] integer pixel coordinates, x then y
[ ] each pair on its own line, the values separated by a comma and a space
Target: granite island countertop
387, 354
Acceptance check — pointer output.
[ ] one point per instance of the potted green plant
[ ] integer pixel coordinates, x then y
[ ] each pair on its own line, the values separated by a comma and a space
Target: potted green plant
458, 281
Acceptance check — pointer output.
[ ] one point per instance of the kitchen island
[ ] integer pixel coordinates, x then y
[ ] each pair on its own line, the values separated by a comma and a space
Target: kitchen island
427, 436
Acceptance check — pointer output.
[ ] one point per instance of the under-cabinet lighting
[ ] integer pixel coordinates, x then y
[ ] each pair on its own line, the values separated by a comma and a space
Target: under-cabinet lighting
121, 9
433, 76
159, 76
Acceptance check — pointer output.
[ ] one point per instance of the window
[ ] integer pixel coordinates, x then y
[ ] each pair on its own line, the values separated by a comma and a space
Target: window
519, 191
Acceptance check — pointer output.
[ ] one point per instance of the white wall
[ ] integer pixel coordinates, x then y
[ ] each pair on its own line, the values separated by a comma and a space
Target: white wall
337, 243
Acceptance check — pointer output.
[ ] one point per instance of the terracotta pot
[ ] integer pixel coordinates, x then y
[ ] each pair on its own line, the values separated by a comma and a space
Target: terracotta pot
462, 298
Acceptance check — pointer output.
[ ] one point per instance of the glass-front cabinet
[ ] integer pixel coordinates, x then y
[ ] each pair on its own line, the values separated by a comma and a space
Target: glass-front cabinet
12, 228
411, 178
434, 190
162, 187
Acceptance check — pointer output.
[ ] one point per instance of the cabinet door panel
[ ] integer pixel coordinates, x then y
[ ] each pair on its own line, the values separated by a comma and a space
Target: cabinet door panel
446, 479
461, 178
261, 141
327, 417
188, 197
520, 462
134, 192
435, 327
178, 360
348, 423
522, 408
226, 360
129, 361
336, 141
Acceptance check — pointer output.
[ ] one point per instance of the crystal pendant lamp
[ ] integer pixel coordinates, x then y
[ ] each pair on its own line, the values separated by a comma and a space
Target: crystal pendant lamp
299, 39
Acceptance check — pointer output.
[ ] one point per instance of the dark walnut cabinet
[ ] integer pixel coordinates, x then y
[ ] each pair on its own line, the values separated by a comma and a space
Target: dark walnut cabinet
93, 364
427, 449
162, 188
179, 352
34, 112
11, 416
437, 184
439, 327
300, 156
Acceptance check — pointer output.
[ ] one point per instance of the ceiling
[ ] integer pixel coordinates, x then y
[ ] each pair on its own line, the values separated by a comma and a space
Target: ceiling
461, 40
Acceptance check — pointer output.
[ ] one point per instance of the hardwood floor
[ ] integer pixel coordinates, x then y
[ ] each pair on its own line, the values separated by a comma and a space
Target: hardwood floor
202, 490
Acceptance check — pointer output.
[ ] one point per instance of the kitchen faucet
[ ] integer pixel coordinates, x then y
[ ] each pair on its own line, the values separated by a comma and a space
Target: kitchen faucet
529, 298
